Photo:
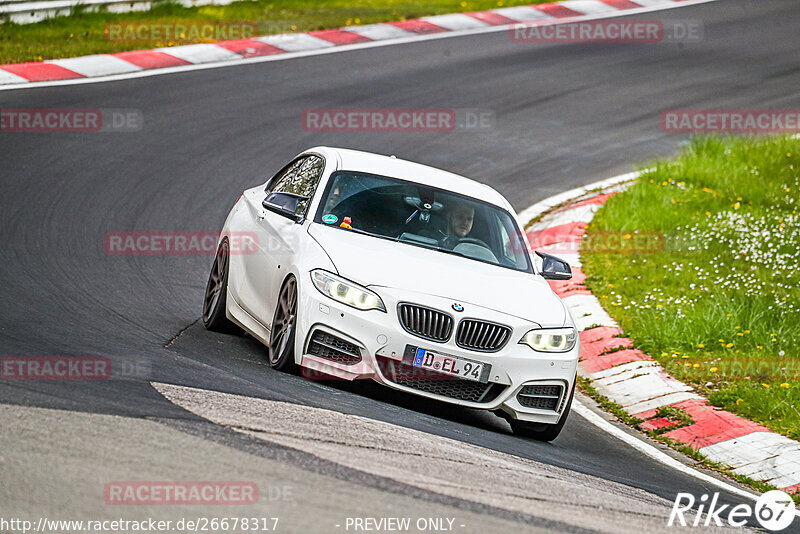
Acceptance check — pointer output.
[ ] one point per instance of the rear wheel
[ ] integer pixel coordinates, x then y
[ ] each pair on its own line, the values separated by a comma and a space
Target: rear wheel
542, 431
217, 294
282, 332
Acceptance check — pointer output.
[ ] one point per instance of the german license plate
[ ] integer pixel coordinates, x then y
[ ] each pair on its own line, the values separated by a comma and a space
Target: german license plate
449, 365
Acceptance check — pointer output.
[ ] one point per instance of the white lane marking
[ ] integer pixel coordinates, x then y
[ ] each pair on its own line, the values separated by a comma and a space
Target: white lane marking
297, 42
331, 49
765, 454
645, 386
522, 13
583, 214
653, 452
648, 3
666, 400
589, 7
617, 370
379, 32
455, 21
531, 212
586, 310
8, 77
200, 53
97, 65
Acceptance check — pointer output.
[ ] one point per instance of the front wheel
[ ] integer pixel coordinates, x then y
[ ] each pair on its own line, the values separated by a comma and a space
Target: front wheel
542, 431
282, 331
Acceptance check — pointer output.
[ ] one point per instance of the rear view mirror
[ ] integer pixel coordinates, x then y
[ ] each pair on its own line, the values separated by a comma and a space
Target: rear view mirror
285, 204
554, 268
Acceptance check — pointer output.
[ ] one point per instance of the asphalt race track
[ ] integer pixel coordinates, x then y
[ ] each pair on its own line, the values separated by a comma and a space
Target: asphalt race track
564, 116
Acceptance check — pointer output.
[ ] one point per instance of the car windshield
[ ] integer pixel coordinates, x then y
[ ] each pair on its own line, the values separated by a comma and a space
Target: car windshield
424, 216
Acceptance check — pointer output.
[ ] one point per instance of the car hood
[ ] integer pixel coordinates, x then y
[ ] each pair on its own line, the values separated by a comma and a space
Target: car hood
373, 261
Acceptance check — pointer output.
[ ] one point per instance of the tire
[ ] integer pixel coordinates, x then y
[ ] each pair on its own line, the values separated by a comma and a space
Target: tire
542, 431
216, 294
284, 328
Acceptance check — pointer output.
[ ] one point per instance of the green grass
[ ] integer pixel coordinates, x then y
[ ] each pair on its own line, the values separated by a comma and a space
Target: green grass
718, 304
83, 33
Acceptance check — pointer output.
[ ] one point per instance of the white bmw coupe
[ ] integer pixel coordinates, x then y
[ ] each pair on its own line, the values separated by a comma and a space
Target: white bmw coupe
358, 265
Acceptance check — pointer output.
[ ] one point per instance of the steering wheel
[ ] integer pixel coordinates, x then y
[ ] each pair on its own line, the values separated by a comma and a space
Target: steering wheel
473, 240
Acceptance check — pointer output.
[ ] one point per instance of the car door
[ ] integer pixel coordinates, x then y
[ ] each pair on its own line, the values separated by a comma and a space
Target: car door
277, 237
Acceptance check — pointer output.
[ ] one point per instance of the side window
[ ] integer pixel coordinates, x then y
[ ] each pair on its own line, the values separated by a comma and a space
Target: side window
300, 177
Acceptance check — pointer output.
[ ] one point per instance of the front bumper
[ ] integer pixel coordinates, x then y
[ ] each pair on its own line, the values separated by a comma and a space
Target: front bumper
381, 343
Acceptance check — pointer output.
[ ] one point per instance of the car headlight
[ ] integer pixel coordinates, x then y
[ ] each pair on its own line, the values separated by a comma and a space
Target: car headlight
345, 291
551, 339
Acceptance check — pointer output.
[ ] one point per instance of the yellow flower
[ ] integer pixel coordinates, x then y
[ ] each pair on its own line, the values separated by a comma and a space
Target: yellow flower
463, 4
610, 285
729, 345
765, 385
696, 365
736, 206
785, 385
708, 213
728, 315
738, 327
760, 347
663, 183
788, 154
739, 334
664, 355
747, 331
626, 236
700, 346
659, 306
713, 369
685, 356
739, 401
722, 341
707, 190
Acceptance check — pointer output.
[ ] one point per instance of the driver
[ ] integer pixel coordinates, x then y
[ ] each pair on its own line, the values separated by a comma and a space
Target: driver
460, 217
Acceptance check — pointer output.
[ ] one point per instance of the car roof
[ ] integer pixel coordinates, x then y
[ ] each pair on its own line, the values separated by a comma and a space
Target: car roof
356, 160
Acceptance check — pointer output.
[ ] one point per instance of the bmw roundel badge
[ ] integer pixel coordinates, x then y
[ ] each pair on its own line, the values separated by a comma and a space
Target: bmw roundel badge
458, 307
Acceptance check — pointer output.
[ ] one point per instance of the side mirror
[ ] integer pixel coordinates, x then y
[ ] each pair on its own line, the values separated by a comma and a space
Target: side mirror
554, 268
285, 204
